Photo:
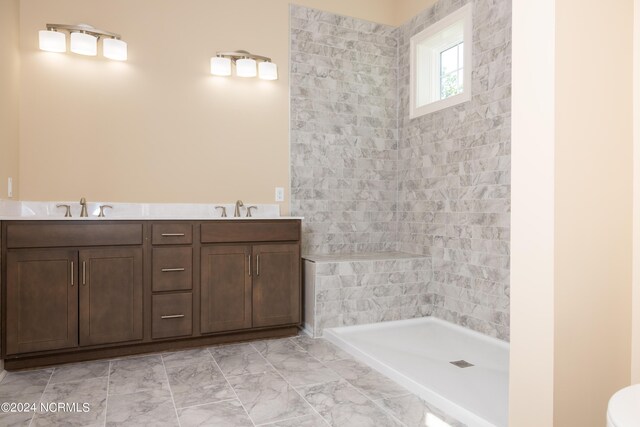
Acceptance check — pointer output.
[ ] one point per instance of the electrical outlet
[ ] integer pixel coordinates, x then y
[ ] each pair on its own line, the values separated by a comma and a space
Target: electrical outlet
10, 187
279, 194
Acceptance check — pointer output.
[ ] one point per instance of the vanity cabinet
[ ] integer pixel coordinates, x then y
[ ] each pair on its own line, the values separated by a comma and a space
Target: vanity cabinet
79, 290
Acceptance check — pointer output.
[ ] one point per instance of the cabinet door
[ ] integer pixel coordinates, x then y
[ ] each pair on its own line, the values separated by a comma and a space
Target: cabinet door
110, 295
225, 291
42, 300
276, 285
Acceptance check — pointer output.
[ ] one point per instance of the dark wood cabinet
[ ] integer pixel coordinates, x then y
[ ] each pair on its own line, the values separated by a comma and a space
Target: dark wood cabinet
225, 291
42, 300
79, 290
276, 285
110, 295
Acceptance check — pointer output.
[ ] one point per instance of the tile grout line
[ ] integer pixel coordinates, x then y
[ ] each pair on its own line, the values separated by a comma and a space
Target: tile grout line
229, 384
166, 374
41, 396
289, 384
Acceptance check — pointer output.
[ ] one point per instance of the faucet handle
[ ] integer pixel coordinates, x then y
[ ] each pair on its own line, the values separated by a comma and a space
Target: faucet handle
102, 208
67, 213
249, 210
224, 211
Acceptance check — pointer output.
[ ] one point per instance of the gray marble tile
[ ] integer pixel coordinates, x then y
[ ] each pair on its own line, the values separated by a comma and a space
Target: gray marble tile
80, 371
25, 386
186, 357
313, 420
299, 368
242, 363
92, 392
415, 412
152, 408
268, 398
137, 374
17, 419
231, 349
321, 349
278, 345
342, 405
367, 380
198, 384
228, 413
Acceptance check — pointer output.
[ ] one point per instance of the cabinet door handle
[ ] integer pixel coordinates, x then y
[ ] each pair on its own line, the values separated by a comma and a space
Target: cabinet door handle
172, 316
249, 260
71, 273
84, 273
172, 234
170, 270
257, 265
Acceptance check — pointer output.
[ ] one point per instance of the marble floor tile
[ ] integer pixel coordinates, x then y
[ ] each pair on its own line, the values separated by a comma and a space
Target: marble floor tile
198, 384
342, 405
25, 386
80, 371
321, 349
186, 357
268, 398
242, 363
415, 412
92, 392
231, 349
367, 380
152, 408
228, 413
313, 420
277, 346
137, 374
17, 419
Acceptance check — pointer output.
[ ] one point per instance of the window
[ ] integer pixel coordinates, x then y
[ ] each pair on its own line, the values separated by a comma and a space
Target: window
441, 64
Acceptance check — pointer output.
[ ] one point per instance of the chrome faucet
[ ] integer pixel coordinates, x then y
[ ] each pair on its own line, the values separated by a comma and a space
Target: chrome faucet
236, 213
83, 211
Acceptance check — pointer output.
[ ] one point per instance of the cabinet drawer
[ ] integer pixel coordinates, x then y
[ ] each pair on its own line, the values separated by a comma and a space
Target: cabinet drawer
172, 316
172, 269
74, 234
250, 231
171, 234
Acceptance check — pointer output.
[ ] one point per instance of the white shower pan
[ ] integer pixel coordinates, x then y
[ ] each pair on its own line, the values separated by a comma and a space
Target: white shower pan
417, 353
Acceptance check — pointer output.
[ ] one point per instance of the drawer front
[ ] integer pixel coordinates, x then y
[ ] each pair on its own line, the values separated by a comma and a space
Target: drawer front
172, 315
172, 269
74, 234
172, 234
250, 231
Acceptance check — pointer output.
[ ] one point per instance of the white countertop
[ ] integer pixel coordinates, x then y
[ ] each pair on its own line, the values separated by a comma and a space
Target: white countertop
47, 211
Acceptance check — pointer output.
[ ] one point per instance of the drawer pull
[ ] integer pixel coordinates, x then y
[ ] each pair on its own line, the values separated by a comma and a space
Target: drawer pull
71, 273
172, 316
172, 234
169, 270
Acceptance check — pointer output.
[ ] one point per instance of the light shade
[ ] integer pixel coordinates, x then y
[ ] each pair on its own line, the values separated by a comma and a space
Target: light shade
114, 49
268, 71
220, 66
246, 67
84, 44
52, 41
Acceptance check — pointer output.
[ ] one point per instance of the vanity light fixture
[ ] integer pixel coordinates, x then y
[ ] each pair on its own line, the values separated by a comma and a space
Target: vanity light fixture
84, 41
247, 65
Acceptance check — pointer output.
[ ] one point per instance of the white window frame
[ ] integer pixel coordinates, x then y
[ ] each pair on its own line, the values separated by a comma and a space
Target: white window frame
431, 82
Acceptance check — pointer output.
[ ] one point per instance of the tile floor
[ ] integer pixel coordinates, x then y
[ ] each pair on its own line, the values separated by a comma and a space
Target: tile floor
297, 382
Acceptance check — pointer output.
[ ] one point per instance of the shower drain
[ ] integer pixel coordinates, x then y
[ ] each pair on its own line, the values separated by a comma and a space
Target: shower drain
462, 364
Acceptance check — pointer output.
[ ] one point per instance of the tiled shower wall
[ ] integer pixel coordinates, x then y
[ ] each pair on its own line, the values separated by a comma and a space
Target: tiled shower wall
344, 132
438, 185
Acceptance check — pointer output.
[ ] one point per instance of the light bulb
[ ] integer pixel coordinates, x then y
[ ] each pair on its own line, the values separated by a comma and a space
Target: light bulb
84, 44
220, 66
246, 67
268, 71
52, 41
114, 49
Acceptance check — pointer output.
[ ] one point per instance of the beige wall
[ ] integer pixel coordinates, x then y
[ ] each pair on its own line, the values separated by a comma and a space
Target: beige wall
585, 151
9, 85
635, 352
407, 9
159, 128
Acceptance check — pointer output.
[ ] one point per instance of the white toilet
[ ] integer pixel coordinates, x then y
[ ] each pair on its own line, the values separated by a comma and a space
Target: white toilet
624, 408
